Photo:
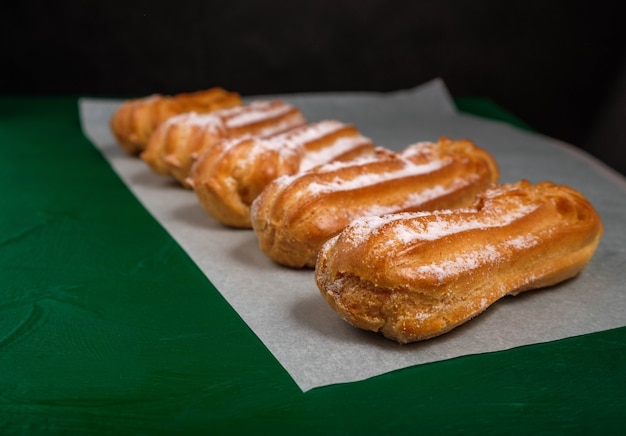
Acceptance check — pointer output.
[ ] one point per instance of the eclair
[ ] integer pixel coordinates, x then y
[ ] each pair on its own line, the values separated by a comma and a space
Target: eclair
414, 276
135, 120
296, 214
181, 140
231, 174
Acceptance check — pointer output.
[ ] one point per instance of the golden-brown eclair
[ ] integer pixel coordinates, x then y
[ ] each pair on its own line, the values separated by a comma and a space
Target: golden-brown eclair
295, 215
413, 276
231, 174
134, 121
181, 140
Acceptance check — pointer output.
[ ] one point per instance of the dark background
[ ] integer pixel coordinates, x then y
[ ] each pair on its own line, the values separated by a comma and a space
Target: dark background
560, 66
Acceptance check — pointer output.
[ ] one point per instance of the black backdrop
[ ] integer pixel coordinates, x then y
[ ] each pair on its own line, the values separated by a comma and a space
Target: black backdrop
558, 65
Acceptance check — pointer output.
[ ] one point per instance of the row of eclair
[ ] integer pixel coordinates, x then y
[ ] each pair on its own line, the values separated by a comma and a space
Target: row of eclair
410, 243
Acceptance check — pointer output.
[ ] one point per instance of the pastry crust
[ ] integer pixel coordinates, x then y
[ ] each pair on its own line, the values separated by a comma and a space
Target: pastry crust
135, 120
295, 215
414, 276
180, 141
231, 174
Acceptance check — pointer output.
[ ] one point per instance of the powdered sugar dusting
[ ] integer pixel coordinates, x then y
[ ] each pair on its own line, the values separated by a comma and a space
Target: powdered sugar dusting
256, 112
362, 180
298, 137
523, 241
439, 228
265, 145
257, 105
195, 119
338, 165
285, 180
274, 128
328, 154
417, 148
464, 262
416, 199
361, 228
295, 140
311, 132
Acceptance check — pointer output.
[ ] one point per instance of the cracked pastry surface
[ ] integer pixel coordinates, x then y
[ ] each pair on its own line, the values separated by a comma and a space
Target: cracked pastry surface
414, 276
179, 142
230, 175
135, 120
295, 215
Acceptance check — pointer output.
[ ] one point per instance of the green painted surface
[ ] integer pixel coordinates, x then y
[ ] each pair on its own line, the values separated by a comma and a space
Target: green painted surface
106, 326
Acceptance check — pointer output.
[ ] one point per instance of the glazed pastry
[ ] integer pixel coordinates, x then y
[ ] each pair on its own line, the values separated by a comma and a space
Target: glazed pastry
135, 120
413, 276
181, 140
233, 173
295, 215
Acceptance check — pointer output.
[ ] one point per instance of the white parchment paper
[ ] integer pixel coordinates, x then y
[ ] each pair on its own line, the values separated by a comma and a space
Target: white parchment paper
283, 306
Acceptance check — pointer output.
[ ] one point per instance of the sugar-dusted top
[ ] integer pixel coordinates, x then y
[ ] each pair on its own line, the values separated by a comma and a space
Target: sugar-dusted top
297, 139
254, 112
196, 119
328, 154
367, 179
428, 230
298, 136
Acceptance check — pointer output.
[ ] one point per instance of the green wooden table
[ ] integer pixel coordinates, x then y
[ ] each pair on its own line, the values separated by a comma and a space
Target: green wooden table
106, 326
